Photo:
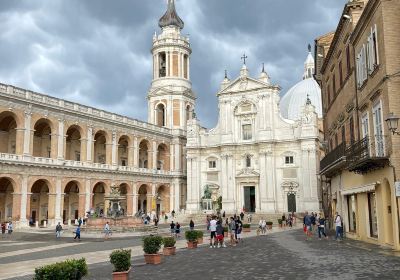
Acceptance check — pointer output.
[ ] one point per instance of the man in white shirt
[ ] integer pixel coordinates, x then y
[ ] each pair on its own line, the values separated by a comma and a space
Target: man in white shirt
339, 229
213, 230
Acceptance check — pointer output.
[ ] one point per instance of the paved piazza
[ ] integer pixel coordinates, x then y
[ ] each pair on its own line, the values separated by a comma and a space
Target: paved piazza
280, 255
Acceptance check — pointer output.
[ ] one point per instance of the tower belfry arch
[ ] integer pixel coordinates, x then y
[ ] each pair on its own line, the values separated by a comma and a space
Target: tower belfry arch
171, 83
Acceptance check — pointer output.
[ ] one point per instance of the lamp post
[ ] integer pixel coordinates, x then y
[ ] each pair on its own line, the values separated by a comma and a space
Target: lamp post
392, 122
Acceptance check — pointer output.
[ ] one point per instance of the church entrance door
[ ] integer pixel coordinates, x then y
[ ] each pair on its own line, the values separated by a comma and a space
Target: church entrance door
291, 200
250, 199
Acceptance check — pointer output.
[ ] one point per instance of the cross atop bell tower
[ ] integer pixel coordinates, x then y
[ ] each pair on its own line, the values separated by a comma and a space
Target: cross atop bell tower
170, 98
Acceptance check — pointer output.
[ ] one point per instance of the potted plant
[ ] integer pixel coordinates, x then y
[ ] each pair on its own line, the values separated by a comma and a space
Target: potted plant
269, 225
169, 246
199, 237
69, 269
280, 222
151, 246
121, 259
246, 228
226, 230
191, 237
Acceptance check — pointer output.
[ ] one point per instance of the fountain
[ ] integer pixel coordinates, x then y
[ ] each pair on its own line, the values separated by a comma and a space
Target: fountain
115, 214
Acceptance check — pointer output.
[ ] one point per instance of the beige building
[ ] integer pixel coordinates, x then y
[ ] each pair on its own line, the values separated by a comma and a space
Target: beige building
59, 159
363, 154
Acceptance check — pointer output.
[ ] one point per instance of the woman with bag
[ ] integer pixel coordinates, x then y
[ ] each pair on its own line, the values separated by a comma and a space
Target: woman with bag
321, 226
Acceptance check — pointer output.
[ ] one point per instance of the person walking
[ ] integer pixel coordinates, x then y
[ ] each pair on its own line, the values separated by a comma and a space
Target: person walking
173, 213
321, 226
232, 229
220, 235
191, 224
177, 230
10, 228
290, 220
307, 225
3, 229
58, 230
223, 214
107, 231
77, 233
172, 228
312, 216
241, 216
339, 229
213, 232
263, 226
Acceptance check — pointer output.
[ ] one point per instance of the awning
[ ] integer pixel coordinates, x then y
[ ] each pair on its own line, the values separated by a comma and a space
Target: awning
361, 189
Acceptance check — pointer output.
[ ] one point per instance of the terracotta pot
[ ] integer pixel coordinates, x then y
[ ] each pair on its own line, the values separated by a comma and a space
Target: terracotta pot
200, 240
124, 275
269, 226
192, 244
280, 225
152, 258
169, 251
246, 229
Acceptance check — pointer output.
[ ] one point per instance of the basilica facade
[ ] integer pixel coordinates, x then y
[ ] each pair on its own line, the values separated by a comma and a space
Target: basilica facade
254, 160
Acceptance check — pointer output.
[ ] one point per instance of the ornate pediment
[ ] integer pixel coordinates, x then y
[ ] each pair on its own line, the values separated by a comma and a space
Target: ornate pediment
247, 172
244, 84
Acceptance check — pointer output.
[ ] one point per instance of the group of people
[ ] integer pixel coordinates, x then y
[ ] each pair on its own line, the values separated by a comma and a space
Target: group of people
316, 222
6, 227
175, 229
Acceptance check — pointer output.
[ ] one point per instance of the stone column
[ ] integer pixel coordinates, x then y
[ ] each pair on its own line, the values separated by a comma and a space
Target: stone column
19, 145
154, 159
188, 67
16, 207
61, 137
28, 135
131, 152
171, 157
135, 152
88, 196
53, 145
51, 208
114, 151
81, 205
28, 206
167, 62
58, 209
25, 201
177, 157
89, 145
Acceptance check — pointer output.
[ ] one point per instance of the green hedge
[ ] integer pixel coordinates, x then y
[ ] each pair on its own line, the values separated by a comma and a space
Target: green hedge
121, 259
191, 235
67, 270
246, 225
169, 242
152, 244
269, 223
200, 234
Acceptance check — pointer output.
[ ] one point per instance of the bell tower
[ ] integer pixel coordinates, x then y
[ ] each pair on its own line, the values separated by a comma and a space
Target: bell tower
170, 98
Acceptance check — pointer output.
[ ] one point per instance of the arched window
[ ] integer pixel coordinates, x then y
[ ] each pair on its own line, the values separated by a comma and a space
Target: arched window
160, 114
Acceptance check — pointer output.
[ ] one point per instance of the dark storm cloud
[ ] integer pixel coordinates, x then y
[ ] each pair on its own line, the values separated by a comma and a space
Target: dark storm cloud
97, 52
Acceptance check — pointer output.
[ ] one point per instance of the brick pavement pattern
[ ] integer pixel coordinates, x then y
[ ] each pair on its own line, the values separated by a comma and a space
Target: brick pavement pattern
284, 255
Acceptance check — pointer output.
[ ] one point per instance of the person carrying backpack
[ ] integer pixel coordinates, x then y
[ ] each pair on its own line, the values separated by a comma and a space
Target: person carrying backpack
339, 227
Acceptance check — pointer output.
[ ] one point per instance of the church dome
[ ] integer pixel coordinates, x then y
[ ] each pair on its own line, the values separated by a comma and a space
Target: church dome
171, 18
292, 102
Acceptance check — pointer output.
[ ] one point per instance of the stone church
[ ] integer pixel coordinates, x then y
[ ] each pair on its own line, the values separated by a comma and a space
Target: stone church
60, 160
254, 159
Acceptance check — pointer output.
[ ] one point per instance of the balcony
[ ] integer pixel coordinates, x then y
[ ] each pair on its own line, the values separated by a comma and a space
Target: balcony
334, 161
368, 154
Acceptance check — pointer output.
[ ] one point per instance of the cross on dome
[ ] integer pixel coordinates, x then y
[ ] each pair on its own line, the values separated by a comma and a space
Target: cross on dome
244, 58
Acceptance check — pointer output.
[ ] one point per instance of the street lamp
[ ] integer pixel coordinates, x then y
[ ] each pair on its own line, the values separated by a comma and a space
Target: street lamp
392, 122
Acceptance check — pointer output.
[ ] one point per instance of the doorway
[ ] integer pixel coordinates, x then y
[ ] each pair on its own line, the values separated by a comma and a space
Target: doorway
250, 199
33, 216
291, 200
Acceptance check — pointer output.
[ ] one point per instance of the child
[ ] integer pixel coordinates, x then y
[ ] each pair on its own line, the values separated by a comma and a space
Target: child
220, 235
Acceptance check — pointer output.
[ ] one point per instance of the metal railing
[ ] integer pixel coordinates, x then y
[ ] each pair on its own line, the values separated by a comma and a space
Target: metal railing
334, 156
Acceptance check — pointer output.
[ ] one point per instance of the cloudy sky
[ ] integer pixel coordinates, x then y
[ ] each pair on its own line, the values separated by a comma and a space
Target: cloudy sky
97, 52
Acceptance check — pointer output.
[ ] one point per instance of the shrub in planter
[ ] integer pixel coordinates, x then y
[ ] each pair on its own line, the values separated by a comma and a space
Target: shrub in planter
191, 237
69, 269
269, 225
151, 246
200, 235
246, 227
121, 259
226, 230
169, 246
